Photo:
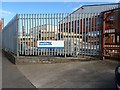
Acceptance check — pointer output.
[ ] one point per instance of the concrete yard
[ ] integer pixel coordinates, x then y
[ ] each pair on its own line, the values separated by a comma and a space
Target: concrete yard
12, 77
88, 74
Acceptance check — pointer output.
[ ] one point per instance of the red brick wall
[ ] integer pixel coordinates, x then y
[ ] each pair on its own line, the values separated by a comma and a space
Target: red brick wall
82, 25
0, 25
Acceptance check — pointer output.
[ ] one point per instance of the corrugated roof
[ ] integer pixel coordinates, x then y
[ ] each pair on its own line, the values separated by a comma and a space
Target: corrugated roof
93, 5
95, 10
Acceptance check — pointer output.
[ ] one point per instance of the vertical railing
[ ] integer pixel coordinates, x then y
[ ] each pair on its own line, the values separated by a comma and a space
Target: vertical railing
63, 27
9, 36
78, 31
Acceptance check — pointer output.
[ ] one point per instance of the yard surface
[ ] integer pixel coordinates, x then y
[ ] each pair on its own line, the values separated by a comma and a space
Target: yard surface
88, 74
12, 77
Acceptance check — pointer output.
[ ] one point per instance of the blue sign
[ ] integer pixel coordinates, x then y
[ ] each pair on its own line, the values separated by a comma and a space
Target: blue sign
50, 44
45, 43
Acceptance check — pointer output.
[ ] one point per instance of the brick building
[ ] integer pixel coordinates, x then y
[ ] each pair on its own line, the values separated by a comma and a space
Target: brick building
90, 26
111, 34
1, 24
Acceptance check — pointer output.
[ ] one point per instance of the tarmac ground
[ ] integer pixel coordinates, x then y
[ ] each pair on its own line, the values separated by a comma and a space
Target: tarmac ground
88, 74
12, 77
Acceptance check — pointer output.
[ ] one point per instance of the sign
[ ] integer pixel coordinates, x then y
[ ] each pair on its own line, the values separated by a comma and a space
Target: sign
51, 44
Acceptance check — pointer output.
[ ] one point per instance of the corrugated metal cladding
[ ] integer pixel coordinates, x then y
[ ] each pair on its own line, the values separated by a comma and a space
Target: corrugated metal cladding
9, 36
80, 31
96, 8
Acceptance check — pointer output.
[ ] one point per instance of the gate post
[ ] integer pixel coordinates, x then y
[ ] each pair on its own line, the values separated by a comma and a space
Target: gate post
17, 28
103, 42
101, 36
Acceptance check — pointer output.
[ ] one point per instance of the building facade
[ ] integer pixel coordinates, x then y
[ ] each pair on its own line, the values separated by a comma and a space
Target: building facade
111, 34
1, 24
87, 22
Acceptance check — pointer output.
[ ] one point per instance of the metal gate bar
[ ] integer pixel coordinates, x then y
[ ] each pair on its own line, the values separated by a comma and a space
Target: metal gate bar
80, 33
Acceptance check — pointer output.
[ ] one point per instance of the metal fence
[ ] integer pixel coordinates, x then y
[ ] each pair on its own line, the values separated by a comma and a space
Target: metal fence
9, 36
81, 33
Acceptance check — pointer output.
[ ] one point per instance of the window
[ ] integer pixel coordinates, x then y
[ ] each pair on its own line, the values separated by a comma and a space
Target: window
111, 18
99, 21
88, 23
78, 24
72, 24
118, 39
